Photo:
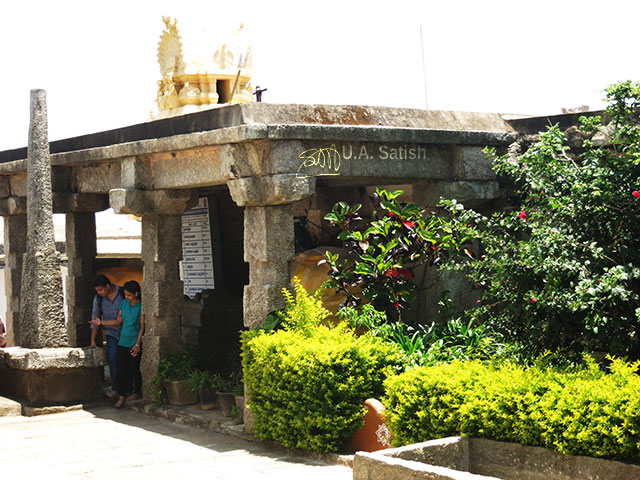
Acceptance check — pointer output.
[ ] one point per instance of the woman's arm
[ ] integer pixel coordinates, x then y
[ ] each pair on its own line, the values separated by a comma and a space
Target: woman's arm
136, 348
108, 323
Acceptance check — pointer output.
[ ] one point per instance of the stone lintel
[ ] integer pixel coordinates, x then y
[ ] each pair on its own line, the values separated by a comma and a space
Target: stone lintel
271, 190
143, 202
472, 194
18, 358
79, 202
13, 206
5, 188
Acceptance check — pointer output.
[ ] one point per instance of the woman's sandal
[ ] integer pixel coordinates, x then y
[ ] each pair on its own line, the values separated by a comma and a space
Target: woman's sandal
133, 396
119, 403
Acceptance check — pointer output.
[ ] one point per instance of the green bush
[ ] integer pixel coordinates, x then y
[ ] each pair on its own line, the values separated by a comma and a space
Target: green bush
307, 385
580, 412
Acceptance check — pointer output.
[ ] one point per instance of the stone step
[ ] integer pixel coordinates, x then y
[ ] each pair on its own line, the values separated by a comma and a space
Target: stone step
10, 408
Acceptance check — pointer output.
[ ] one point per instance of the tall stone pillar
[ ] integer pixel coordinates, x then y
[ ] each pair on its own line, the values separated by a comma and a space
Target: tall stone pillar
81, 253
268, 238
15, 243
162, 289
42, 322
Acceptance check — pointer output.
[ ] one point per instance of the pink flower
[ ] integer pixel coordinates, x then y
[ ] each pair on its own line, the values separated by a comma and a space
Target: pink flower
636, 194
523, 215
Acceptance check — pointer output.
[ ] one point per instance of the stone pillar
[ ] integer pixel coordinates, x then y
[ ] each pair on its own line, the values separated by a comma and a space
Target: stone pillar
268, 248
268, 238
162, 289
81, 253
42, 322
79, 210
15, 243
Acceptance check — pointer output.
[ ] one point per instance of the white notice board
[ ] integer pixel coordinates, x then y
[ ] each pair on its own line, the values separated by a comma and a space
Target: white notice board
197, 260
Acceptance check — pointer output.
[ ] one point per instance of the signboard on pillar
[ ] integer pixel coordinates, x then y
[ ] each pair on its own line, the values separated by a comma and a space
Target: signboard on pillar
197, 259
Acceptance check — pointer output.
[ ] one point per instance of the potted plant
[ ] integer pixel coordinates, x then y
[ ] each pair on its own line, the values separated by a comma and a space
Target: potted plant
173, 374
204, 384
229, 386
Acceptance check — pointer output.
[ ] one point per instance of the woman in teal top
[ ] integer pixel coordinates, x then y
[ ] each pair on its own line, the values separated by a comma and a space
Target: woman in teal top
129, 381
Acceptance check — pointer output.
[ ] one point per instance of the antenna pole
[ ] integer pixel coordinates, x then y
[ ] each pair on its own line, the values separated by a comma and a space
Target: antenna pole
424, 72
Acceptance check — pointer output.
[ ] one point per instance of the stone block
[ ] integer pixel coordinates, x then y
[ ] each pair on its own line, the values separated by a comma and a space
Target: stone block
271, 190
13, 205
97, 178
52, 358
5, 187
136, 173
18, 184
472, 164
9, 408
51, 376
470, 193
458, 458
64, 202
268, 234
260, 300
142, 202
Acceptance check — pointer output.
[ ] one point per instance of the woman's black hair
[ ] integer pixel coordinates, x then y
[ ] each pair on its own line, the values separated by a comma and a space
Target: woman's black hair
133, 287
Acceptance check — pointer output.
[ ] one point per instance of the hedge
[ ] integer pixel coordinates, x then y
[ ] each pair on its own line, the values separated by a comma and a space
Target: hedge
587, 412
307, 388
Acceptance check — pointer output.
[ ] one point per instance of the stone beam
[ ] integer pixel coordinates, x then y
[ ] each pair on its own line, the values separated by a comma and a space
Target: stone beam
143, 202
64, 202
13, 206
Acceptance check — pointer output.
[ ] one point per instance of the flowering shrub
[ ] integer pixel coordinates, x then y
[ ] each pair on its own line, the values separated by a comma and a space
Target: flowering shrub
562, 272
386, 249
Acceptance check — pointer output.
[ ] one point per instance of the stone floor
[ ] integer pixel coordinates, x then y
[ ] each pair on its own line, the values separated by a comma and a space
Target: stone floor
102, 442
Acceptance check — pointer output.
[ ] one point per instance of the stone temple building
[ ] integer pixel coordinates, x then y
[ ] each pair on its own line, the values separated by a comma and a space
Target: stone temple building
261, 178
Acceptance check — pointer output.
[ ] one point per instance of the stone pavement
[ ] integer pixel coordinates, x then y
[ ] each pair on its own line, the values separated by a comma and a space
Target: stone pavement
105, 443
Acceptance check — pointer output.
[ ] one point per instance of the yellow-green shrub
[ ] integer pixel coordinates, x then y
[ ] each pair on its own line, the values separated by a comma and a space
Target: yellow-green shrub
588, 412
307, 389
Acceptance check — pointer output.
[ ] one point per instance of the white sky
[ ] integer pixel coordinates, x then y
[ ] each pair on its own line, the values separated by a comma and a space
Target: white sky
97, 60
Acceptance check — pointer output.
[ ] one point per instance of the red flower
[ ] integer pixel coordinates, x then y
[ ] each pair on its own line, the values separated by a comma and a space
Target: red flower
409, 224
636, 194
398, 272
396, 304
523, 215
405, 273
391, 214
533, 300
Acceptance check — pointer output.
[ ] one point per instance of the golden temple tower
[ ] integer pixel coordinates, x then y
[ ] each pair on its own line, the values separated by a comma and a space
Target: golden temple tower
198, 72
